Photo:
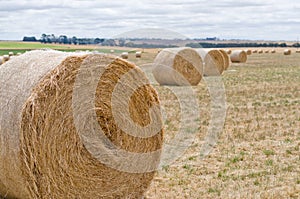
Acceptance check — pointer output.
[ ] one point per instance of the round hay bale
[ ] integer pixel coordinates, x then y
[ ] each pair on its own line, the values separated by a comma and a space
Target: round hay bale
213, 62
260, 51
138, 54
297, 51
266, 51
254, 51
249, 52
112, 51
226, 59
287, 52
124, 55
228, 51
48, 149
273, 51
178, 66
238, 56
18, 54
6, 58
11, 54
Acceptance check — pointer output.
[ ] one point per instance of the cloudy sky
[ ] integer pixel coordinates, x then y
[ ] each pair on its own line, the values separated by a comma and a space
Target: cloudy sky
226, 19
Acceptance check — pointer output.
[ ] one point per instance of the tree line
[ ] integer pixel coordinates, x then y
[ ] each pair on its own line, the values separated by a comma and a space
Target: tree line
245, 45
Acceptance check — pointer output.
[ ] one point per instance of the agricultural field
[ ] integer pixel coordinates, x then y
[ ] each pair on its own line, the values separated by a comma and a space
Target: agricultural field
258, 153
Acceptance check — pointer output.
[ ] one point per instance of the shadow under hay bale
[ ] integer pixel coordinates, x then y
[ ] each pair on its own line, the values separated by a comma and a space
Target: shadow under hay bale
238, 56
49, 150
213, 62
178, 66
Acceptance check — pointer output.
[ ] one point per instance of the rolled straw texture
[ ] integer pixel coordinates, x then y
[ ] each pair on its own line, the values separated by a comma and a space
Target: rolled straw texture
238, 56
213, 61
48, 151
287, 52
178, 66
226, 59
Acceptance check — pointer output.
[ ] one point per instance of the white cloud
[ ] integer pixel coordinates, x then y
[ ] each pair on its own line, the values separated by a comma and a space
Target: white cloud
271, 19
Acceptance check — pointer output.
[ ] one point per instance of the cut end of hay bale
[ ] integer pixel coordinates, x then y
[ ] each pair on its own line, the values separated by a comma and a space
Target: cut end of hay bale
226, 59
53, 158
178, 66
238, 56
213, 59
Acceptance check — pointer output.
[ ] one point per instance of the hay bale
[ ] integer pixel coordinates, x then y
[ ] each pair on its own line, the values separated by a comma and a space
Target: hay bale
213, 62
238, 56
249, 52
260, 51
228, 51
273, 51
112, 51
287, 52
178, 66
55, 127
254, 51
6, 58
226, 59
266, 51
124, 55
297, 51
138, 54
11, 54
1, 60
18, 54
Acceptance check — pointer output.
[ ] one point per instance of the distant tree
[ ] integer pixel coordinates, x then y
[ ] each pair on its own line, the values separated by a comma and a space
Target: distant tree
74, 40
98, 41
43, 38
29, 38
63, 39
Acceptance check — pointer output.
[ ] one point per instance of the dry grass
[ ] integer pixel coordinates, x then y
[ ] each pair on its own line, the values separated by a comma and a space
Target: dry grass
257, 155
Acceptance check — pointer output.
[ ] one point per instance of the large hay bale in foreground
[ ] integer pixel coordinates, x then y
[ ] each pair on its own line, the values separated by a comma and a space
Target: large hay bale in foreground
49, 149
287, 52
178, 66
238, 56
213, 59
226, 59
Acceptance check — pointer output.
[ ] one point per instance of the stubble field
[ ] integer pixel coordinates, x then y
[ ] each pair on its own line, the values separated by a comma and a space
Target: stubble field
257, 154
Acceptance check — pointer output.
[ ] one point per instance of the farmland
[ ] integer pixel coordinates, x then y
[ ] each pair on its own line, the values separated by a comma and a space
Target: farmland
258, 152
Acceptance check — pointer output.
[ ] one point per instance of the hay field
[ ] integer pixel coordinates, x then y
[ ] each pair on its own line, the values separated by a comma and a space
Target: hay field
258, 152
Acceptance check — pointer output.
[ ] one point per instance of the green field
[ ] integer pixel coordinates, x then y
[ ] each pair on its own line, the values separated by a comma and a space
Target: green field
10, 46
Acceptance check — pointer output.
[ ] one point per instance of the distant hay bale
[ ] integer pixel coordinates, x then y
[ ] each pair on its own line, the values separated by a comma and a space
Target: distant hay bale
138, 54
6, 58
249, 52
178, 66
112, 51
11, 54
213, 62
124, 55
238, 56
260, 51
19, 53
228, 51
254, 51
297, 51
273, 51
287, 52
48, 149
226, 59
266, 51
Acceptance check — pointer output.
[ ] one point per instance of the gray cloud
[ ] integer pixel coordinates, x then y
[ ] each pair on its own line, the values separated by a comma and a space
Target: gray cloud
271, 19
